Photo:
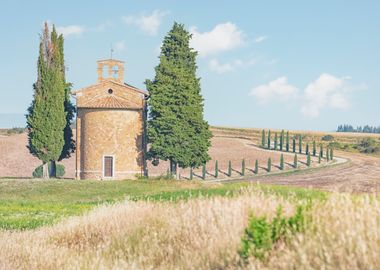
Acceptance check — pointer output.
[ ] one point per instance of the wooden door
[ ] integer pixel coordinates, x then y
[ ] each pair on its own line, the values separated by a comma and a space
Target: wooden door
108, 166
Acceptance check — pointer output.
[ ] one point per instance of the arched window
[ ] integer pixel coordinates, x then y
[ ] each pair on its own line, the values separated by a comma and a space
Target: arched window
115, 72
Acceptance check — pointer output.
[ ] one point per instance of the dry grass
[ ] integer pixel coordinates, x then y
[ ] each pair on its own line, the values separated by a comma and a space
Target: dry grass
202, 233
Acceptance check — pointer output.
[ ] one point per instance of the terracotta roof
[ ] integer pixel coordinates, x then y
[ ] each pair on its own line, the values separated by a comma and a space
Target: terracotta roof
109, 101
114, 82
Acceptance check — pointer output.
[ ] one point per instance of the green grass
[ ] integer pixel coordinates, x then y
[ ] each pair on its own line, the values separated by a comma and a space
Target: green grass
28, 204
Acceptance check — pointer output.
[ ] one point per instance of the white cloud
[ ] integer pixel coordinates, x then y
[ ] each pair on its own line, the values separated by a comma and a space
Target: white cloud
71, 30
326, 91
120, 46
260, 39
278, 89
223, 37
147, 23
220, 68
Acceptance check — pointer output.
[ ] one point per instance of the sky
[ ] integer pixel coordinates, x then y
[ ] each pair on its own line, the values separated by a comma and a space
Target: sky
304, 65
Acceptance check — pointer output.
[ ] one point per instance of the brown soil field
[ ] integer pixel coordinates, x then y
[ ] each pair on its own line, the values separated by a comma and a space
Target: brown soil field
360, 174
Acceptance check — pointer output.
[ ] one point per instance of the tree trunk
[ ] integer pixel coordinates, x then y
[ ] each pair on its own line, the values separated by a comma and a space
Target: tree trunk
45, 170
173, 169
53, 169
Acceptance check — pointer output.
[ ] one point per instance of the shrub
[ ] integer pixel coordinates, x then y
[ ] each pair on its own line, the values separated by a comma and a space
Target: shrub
15, 130
368, 145
261, 234
327, 138
37, 173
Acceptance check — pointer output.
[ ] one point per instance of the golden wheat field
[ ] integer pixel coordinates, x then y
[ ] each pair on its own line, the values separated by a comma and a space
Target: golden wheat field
201, 233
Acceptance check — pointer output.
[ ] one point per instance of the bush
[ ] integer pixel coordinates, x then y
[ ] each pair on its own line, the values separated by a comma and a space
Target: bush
60, 171
327, 138
260, 235
15, 130
368, 145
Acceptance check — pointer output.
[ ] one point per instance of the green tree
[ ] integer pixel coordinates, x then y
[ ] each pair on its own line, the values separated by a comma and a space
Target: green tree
203, 172
282, 140
319, 157
275, 141
229, 168
321, 150
216, 169
46, 118
308, 161
287, 141
176, 129
243, 167
314, 149
269, 140
331, 153
294, 145
269, 164
307, 148
300, 144
295, 165
327, 154
256, 167
263, 138
282, 162
191, 173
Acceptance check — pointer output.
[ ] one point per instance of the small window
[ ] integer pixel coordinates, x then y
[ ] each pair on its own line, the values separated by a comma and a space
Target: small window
110, 91
115, 72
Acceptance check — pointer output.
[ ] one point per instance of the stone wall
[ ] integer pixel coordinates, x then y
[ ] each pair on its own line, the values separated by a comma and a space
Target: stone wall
113, 132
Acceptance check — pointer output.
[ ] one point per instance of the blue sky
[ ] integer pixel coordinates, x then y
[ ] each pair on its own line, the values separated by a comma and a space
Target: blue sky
273, 64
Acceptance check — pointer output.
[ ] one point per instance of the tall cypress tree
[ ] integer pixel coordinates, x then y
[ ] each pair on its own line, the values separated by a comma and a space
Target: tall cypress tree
282, 139
287, 141
70, 110
275, 141
314, 149
176, 129
269, 139
263, 138
300, 144
46, 118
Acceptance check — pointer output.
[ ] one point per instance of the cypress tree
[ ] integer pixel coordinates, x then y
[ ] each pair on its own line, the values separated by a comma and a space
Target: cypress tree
216, 169
321, 151
282, 162
287, 141
70, 110
282, 140
176, 129
294, 145
243, 167
229, 168
269, 164
203, 172
314, 149
46, 118
307, 148
327, 154
275, 141
300, 144
308, 161
269, 139
319, 158
191, 173
331, 153
263, 138
256, 167
295, 165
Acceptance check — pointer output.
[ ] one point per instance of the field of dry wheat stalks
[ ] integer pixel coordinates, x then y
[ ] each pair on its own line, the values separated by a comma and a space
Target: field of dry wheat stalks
201, 233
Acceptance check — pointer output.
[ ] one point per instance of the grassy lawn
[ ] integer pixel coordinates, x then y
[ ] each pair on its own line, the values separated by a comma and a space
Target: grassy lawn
28, 204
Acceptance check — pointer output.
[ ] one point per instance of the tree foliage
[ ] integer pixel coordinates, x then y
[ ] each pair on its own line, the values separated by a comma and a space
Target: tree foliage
176, 129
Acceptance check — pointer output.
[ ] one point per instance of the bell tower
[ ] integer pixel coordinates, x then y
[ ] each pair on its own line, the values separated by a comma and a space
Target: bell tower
111, 69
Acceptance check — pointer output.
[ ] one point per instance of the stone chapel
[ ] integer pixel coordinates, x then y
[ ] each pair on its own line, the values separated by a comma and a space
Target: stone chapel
110, 126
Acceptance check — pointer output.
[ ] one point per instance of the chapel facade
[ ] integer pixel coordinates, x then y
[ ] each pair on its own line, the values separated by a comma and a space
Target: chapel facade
110, 126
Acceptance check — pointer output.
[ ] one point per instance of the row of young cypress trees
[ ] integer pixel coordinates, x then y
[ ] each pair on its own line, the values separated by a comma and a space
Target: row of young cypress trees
49, 116
283, 144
